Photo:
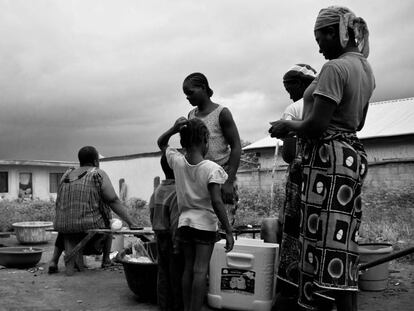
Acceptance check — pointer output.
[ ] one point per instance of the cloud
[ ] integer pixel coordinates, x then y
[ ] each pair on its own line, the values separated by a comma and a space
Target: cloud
110, 75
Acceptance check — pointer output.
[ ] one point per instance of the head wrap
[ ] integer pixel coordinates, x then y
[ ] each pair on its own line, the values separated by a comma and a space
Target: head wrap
346, 19
300, 71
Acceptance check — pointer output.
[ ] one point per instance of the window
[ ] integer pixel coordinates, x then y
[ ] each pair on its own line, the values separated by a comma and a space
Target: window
4, 181
54, 179
25, 186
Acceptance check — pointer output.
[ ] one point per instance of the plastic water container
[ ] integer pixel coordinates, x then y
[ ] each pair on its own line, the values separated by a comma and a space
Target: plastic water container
375, 278
243, 278
117, 242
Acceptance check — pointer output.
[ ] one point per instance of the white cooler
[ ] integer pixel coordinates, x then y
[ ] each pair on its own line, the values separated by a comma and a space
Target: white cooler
243, 279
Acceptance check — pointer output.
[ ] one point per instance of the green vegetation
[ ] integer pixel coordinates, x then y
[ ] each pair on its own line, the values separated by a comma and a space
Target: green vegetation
17, 211
387, 216
37, 210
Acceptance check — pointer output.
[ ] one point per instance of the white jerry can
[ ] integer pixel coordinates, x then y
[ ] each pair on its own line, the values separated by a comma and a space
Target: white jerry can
243, 279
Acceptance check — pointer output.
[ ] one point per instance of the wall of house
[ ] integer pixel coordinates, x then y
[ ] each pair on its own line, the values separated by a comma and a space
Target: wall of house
266, 157
138, 172
390, 164
261, 178
389, 148
381, 176
40, 180
390, 175
377, 149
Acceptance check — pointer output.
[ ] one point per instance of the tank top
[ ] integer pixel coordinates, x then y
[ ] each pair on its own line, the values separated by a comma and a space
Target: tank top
218, 149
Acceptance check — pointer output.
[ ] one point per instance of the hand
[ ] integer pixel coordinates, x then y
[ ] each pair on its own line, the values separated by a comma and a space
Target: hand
135, 226
279, 129
229, 242
227, 193
179, 123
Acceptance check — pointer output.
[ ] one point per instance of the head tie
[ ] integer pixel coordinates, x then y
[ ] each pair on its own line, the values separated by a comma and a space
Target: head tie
346, 19
300, 71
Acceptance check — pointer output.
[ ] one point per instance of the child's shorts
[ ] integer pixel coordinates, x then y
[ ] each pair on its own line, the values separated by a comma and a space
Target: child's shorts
190, 235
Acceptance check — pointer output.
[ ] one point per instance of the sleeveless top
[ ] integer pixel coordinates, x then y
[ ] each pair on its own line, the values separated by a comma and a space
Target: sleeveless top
79, 203
218, 148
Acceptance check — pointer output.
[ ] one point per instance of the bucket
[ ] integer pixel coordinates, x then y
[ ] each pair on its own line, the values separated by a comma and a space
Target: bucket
268, 230
375, 278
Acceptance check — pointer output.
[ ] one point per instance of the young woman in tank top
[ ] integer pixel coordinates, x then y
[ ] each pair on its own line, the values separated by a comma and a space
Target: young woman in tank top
224, 142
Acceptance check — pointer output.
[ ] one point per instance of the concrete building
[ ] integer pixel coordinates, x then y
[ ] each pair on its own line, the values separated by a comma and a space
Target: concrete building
138, 172
37, 179
388, 138
32, 179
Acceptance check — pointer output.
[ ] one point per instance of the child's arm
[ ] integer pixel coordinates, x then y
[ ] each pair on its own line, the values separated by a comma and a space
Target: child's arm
164, 138
219, 209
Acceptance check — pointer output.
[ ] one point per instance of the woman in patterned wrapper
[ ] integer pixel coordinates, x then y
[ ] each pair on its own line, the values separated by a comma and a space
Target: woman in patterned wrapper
334, 162
224, 142
296, 80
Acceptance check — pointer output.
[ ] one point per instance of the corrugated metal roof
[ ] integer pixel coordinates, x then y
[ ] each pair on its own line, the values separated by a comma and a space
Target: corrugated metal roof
263, 143
384, 119
389, 118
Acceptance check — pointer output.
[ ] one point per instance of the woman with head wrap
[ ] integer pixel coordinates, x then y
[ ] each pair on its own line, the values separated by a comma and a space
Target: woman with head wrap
296, 81
334, 162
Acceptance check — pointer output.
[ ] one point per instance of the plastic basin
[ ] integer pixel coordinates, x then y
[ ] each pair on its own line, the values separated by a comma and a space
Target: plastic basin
142, 277
33, 232
20, 256
375, 278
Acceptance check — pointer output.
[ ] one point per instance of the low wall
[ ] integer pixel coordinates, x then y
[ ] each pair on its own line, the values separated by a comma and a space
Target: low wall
390, 175
381, 175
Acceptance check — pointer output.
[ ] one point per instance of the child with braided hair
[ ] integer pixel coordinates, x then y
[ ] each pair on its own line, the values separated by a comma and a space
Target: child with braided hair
200, 204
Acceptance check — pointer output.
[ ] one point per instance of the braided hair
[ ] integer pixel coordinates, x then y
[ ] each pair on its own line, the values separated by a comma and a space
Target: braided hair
199, 80
194, 133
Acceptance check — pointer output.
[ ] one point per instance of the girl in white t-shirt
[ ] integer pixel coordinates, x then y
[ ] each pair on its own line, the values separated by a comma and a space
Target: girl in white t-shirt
199, 201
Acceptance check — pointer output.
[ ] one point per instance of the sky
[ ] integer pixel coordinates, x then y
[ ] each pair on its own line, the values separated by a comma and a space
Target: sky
109, 73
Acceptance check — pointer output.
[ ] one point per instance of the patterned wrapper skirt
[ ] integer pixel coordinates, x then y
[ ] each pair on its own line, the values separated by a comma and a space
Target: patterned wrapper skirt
333, 169
289, 217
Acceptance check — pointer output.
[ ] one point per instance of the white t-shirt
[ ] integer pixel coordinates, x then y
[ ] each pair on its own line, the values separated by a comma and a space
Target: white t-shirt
193, 197
294, 111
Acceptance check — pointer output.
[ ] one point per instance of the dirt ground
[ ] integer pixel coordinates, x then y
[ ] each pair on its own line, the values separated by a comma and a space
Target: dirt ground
106, 289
